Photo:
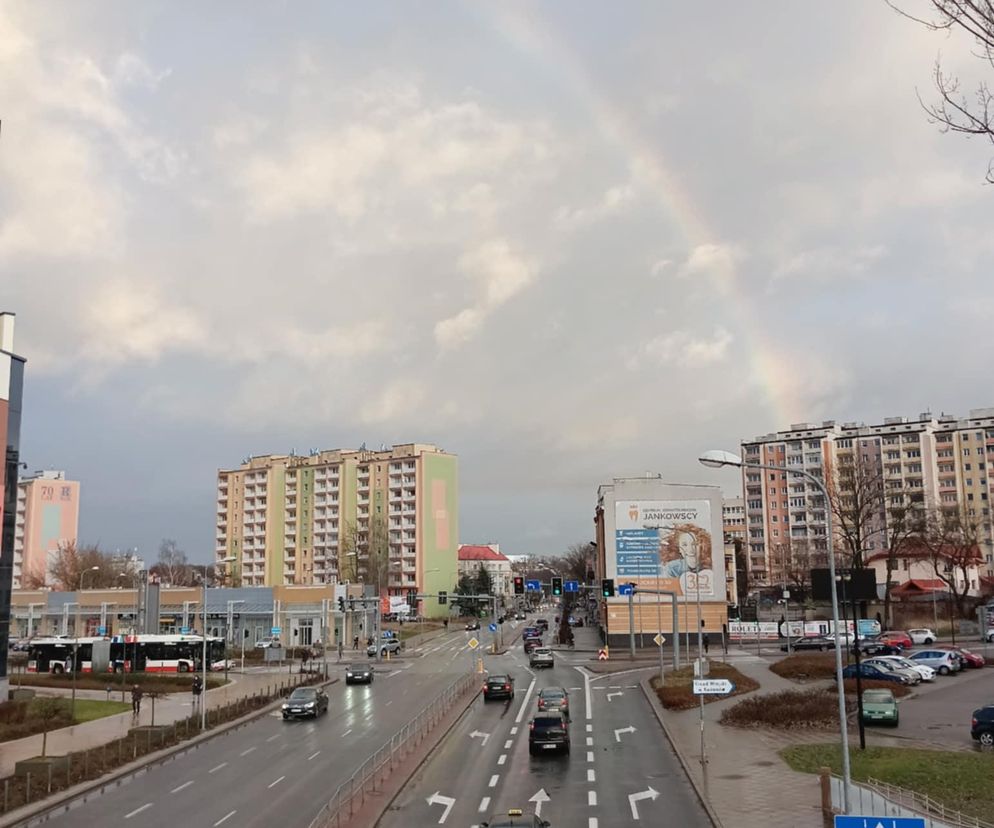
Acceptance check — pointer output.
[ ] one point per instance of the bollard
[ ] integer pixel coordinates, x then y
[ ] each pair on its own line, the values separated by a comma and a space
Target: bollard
49, 778
28, 792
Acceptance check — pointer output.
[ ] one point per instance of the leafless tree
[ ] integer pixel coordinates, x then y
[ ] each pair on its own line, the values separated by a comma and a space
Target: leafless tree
952, 538
906, 523
578, 561
954, 111
857, 499
792, 560
172, 566
367, 551
71, 561
50, 710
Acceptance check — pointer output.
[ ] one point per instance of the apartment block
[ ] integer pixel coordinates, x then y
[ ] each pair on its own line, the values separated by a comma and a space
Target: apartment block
473, 557
47, 516
733, 522
931, 460
289, 519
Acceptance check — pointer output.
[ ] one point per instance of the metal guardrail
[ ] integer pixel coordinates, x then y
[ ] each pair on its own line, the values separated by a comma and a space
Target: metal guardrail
925, 805
351, 794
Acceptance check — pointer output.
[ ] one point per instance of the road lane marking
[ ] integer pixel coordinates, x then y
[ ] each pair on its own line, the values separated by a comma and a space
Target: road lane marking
514, 731
313, 755
218, 767
347, 732
508, 743
275, 782
586, 692
590, 728
493, 780
225, 817
484, 804
184, 785
502, 759
590, 756
591, 775
592, 799
592, 822
388, 703
524, 704
274, 736
590, 741
246, 752
138, 810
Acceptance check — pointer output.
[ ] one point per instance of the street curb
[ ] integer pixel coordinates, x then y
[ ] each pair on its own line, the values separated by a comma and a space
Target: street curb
30, 815
657, 710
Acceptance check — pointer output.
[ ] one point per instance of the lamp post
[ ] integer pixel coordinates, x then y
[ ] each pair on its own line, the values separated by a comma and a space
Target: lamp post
203, 695
716, 459
75, 646
228, 639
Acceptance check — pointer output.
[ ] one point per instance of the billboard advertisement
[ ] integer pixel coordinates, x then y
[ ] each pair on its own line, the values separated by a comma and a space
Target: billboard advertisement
666, 544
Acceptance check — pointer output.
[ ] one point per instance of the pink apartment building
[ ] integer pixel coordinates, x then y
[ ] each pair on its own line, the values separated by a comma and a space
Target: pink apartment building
47, 515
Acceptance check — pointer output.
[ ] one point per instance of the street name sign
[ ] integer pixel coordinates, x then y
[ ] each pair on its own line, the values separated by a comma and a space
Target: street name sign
878, 822
715, 687
533, 586
571, 586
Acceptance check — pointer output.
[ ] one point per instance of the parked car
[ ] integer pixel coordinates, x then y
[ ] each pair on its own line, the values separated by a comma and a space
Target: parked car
967, 657
913, 675
926, 672
982, 726
942, 661
923, 635
548, 731
541, 657
498, 687
304, 702
515, 818
224, 664
359, 672
880, 706
875, 672
872, 645
554, 698
391, 646
264, 643
472, 625
820, 643
990, 635
897, 637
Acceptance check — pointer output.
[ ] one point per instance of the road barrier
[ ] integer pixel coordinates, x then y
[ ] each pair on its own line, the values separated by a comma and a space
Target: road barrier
371, 774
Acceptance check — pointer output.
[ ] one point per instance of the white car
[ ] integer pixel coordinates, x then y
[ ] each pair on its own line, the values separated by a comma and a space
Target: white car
923, 636
926, 672
989, 635
224, 664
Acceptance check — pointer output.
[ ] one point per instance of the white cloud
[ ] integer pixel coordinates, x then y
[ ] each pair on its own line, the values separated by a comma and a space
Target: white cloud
660, 266
687, 350
458, 329
612, 202
831, 262
715, 263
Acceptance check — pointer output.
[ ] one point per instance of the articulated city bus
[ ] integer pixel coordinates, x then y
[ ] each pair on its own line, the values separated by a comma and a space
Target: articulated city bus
123, 653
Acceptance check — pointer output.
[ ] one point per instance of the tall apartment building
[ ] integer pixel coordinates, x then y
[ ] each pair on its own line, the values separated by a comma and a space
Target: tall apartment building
288, 519
733, 523
47, 516
931, 460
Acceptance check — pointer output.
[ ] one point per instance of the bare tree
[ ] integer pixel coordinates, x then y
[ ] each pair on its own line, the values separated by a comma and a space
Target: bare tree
578, 561
71, 561
792, 559
366, 550
857, 499
954, 111
952, 538
172, 566
906, 523
50, 710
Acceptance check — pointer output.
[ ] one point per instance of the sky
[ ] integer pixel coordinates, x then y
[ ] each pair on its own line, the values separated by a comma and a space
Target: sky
566, 241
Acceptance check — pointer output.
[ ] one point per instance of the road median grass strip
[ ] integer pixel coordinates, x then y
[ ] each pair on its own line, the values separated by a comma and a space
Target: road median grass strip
149, 682
958, 780
20, 719
677, 693
805, 666
787, 710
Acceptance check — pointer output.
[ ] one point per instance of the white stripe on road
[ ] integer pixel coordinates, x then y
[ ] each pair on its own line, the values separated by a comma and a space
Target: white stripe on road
138, 810
274, 736
502, 759
586, 691
225, 817
590, 728
590, 741
276, 782
347, 732
184, 785
493, 780
591, 775
524, 705
592, 798
484, 804
246, 752
316, 753
592, 822
590, 756
514, 731
508, 743
218, 767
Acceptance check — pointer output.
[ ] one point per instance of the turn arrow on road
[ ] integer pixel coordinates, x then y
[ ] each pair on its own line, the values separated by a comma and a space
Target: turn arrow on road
485, 736
448, 801
620, 730
638, 797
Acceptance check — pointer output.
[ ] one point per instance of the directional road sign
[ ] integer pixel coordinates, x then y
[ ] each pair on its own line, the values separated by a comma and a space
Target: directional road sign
101, 631
714, 687
571, 586
473, 643
878, 822
184, 630
660, 639
275, 630
492, 627
626, 589
533, 586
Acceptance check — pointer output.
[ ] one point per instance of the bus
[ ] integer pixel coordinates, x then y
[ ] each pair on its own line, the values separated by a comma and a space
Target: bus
123, 653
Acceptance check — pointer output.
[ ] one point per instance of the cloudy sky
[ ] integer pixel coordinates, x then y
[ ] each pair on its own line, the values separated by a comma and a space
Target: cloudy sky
566, 241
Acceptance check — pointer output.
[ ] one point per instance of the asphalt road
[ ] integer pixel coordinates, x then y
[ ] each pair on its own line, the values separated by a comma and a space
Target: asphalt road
276, 773
485, 768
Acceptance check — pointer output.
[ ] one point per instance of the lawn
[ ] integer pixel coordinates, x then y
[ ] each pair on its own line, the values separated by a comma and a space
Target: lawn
150, 682
20, 719
959, 780
677, 693
89, 709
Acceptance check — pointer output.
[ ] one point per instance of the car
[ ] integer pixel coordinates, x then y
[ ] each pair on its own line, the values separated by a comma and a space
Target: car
926, 672
819, 642
898, 638
519, 616
305, 702
942, 661
914, 677
498, 686
874, 672
554, 698
472, 625
515, 818
548, 732
880, 706
542, 623
990, 635
224, 664
355, 673
923, 635
264, 643
982, 726
968, 658
531, 643
391, 646
875, 646
541, 657
531, 632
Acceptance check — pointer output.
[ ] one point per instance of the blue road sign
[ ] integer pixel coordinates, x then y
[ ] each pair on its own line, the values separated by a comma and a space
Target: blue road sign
571, 586
878, 822
492, 627
101, 631
533, 586
275, 631
625, 589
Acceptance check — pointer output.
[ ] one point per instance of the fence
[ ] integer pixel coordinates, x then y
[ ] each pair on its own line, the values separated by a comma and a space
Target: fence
351, 794
881, 799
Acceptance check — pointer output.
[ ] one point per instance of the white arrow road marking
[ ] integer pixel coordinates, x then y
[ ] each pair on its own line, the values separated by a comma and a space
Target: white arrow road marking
637, 797
475, 733
586, 692
524, 705
540, 797
617, 693
446, 801
620, 730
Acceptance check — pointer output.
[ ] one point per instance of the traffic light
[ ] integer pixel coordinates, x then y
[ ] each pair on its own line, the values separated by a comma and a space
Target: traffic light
607, 587
557, 586
341, 604
519, 585
443, 597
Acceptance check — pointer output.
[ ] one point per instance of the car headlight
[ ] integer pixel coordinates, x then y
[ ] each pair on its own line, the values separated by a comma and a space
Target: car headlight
310, 704
286, 706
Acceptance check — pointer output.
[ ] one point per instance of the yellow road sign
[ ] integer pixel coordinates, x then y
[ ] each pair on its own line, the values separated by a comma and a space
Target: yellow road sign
660, 639
473, 643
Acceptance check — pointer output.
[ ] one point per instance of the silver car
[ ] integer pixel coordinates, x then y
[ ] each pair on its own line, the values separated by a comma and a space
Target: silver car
926, 672
942, 661
914, 677
541, 657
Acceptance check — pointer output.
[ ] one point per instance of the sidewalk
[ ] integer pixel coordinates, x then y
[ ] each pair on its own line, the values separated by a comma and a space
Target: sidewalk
168, 709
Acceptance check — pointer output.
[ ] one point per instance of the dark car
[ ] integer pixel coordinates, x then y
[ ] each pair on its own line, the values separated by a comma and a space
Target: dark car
532, 643
875, 645
515, 818
821, 642
305, 702
982, 727
356, 673
472, 625
548, 731
498, 687
869, 671
543, 623
528, 632
520, 616
554, 698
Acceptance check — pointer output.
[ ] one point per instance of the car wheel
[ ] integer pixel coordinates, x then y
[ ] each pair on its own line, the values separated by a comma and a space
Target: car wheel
183, 667
58, 669
987, 739
928, 641
943, 670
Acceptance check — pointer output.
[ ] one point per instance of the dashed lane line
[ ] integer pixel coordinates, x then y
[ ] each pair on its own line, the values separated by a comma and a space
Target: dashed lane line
592, 799
591, 775
313, 755
276, 782
227, 816
590, 756
247, 751
484, 804
502, 759
178, 788
493, 780
218, 767
144, 807
508, 743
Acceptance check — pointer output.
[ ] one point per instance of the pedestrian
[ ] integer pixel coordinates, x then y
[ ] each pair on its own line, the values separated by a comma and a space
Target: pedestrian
341, 649
355, 643
707, 642
198, 688
136, 700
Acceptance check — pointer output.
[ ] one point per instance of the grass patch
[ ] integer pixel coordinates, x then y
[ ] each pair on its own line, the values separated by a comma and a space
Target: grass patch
678, 691
26, 718
149, 682
89, 709
959, 780
806, 666
788, 710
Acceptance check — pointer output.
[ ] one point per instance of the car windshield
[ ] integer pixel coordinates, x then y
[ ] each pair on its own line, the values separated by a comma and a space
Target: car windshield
548, 721
358, 668
499, 679
303, 694
552, 693
877, 696
543, 651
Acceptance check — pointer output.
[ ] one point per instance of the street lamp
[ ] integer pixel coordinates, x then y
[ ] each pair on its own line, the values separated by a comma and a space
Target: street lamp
75, 645
203, 696
716, 459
